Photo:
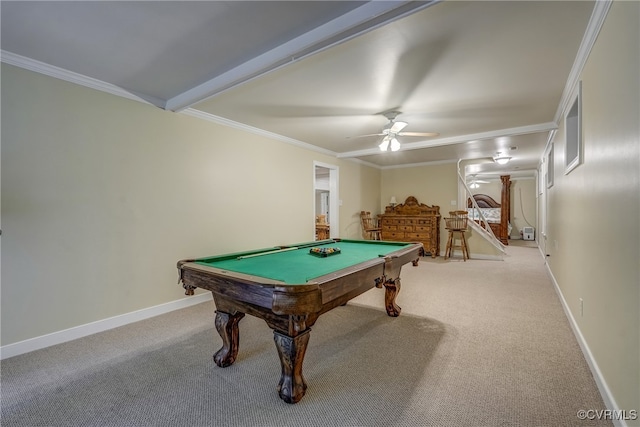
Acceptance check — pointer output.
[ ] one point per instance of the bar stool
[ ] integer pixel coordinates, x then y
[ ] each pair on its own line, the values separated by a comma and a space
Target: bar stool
457, 225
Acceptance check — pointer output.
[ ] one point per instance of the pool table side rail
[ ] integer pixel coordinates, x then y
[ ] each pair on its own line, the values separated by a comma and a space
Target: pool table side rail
408, 252
365, 277
228, 284
234, 255
319, 294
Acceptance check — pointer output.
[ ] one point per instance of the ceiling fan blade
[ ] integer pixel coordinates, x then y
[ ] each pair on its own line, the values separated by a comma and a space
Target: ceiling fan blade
397, 127
418, 134
366, 136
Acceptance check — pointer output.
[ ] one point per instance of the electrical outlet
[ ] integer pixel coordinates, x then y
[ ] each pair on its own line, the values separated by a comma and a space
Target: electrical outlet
454, 203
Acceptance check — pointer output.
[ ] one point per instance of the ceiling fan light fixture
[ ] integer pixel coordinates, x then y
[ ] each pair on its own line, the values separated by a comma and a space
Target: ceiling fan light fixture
474, 185
392, 130
384, 145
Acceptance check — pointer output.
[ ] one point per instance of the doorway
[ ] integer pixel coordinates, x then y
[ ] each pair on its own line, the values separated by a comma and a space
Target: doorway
325, 198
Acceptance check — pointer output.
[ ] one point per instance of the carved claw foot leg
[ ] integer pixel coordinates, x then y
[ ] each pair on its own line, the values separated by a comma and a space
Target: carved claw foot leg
392, 287
227, 326
291, 350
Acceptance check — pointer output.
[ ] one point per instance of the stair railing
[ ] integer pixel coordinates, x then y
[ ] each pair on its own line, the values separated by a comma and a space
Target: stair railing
475, 214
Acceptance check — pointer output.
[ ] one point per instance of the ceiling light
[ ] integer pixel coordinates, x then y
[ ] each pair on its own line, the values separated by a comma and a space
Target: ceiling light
501, 159
474, 185
384, 144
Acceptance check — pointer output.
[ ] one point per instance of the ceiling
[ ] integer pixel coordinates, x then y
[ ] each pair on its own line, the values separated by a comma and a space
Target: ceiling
487, 76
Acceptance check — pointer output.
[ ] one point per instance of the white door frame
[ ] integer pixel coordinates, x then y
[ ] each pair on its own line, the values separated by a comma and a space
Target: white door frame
334, 205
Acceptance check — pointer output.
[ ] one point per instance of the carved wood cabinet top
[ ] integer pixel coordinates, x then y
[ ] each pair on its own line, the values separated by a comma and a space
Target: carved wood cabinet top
411, 206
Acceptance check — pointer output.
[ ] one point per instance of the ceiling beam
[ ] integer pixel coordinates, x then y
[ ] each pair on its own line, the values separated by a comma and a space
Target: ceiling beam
365, 18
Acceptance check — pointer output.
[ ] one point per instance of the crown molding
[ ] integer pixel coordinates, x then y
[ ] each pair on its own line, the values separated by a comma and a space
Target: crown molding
256, 131
416, 165
69, 76
600, 11
598, 16
271, 135
522, 130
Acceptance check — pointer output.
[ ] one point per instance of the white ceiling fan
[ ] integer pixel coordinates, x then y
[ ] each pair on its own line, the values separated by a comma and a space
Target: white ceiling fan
392, 130
475, 183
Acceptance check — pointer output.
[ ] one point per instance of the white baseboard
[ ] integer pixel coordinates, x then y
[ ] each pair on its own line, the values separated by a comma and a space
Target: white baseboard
608, 399
70, 334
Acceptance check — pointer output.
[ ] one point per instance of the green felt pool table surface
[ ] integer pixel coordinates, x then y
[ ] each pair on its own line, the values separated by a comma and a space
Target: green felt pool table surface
297, 266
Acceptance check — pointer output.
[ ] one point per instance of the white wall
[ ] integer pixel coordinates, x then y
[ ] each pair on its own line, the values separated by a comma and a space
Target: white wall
101, 196
594, 212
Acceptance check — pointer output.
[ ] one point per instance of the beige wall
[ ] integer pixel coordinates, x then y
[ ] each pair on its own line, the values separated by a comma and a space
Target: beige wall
359, 190
431, 184
523, 205
101, 196
593, 235
434, 184
523, 201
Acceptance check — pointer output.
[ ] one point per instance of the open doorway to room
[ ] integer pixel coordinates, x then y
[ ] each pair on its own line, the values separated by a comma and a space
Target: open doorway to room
325, 187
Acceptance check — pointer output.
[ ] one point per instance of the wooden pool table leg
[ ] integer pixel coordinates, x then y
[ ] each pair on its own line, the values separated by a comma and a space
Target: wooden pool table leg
227, 326
291, 350
391, 289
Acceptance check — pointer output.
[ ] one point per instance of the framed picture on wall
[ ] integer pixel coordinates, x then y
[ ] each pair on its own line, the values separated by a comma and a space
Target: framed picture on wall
573, 128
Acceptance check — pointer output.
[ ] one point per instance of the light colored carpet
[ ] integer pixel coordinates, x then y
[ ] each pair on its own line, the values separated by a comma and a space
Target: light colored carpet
478, 343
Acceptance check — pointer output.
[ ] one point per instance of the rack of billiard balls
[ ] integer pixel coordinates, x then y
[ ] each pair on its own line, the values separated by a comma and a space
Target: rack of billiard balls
324, 252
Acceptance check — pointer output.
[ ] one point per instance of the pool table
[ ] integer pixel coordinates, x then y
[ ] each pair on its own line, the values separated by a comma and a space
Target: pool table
289, 287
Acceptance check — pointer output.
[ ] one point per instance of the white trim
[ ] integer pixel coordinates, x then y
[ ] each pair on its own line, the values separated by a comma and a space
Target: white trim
334, 196
76, 332
603, 388
69, 76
